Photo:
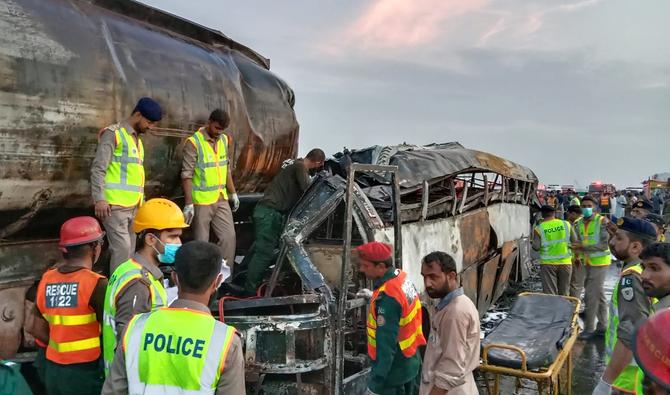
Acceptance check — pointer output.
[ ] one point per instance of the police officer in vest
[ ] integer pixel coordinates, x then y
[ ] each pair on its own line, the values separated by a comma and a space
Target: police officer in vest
69, 309
394, 323
592, 250
553, 237
628, 308
117, 177
182, 348
209, 191
136, 286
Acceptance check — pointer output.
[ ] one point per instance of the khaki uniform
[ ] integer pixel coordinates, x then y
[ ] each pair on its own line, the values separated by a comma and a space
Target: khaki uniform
231, 381
119, 226
135, 298
594, 291
217, 216
452, 353
577, 279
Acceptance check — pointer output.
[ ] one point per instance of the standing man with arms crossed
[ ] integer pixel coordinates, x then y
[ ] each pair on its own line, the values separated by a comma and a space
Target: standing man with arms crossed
208, 185
552, 237
182, 349
69, 310
452, 353
279, 198
136, 286
394, 323
628, 308
117, 177
593, 251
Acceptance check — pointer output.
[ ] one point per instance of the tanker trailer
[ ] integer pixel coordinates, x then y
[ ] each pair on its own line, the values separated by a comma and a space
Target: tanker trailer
71, 67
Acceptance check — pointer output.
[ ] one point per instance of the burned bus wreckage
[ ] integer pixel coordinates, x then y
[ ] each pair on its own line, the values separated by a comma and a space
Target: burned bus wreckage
308, 330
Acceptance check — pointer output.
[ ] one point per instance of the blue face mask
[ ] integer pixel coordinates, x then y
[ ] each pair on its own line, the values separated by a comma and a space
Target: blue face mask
170, 249
587, 211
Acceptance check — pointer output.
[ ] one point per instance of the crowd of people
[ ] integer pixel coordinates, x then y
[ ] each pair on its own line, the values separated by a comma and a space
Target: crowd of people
576, 253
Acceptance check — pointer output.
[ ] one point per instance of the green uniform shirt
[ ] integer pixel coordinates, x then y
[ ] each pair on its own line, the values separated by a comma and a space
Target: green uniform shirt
391, 368
287, 187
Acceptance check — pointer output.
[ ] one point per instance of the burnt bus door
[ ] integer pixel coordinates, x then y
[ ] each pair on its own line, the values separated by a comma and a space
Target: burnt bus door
356, 382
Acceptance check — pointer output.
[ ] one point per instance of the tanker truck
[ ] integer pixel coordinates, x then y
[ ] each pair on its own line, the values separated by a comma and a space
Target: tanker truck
71, 67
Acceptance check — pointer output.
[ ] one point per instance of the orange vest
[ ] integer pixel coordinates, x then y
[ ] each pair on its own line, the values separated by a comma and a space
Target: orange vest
410, 333
74, 331
604, 201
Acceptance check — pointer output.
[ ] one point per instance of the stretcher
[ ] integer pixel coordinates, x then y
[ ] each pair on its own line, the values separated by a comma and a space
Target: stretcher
534, 342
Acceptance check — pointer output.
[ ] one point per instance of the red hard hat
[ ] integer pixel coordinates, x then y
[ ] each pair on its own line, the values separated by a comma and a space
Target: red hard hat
80, 230
651, 347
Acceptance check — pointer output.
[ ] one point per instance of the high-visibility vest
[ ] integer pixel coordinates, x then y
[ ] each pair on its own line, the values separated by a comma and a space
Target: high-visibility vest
211, 169
575, 201
74, 331
628, 378
591, 236
552, 201
122, 276
124, 180
410, 333
555, 242
604, 201
175, 351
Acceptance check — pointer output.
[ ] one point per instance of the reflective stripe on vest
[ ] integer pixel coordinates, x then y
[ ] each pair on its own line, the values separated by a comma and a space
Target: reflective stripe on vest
591, 236
124, 180
410, 333
627, 379
74, 331
159, 342
211, 169
555, 242
122, 276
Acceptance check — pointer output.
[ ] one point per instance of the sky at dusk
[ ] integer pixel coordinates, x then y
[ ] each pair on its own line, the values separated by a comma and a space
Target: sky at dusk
576, 90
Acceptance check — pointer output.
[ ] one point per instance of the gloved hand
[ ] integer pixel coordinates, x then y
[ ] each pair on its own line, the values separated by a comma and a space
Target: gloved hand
234, 201
188, 213
603, 388
364, 293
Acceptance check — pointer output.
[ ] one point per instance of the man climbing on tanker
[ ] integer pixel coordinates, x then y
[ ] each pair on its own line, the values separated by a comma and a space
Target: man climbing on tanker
117, 177
209, 191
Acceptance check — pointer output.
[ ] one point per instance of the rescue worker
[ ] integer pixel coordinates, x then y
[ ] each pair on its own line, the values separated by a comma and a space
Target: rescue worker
656, 283
117, 177
628, 308
182, 349
208, 185
278, 199
552, 200
394, 323
553, 237
651, 349
577, 276
69, 309
452, 353
593, 251
574, 199
641, 209
137, 285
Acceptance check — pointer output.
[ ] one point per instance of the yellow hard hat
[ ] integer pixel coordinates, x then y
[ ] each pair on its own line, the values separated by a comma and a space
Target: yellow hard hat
158, 214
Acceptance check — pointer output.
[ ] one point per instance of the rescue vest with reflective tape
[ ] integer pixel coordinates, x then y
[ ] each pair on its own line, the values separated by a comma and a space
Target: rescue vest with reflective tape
410, 333
211, 169
591, 236
74, 331
175, 351
122, 276
555, 242
604, 201
628, 378
124, 180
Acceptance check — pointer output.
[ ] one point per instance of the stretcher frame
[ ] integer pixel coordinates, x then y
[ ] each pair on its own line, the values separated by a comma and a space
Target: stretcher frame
550, 374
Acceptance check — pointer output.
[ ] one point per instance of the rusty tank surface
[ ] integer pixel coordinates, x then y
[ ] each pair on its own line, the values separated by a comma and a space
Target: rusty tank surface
71, 67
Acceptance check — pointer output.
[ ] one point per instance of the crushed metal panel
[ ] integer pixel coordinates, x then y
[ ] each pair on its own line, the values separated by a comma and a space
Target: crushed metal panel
469, 282
510, 221
420, 239
487, 283
475, 232
510, 254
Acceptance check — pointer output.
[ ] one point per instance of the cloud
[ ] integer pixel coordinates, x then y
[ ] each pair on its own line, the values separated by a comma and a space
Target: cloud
399, 24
